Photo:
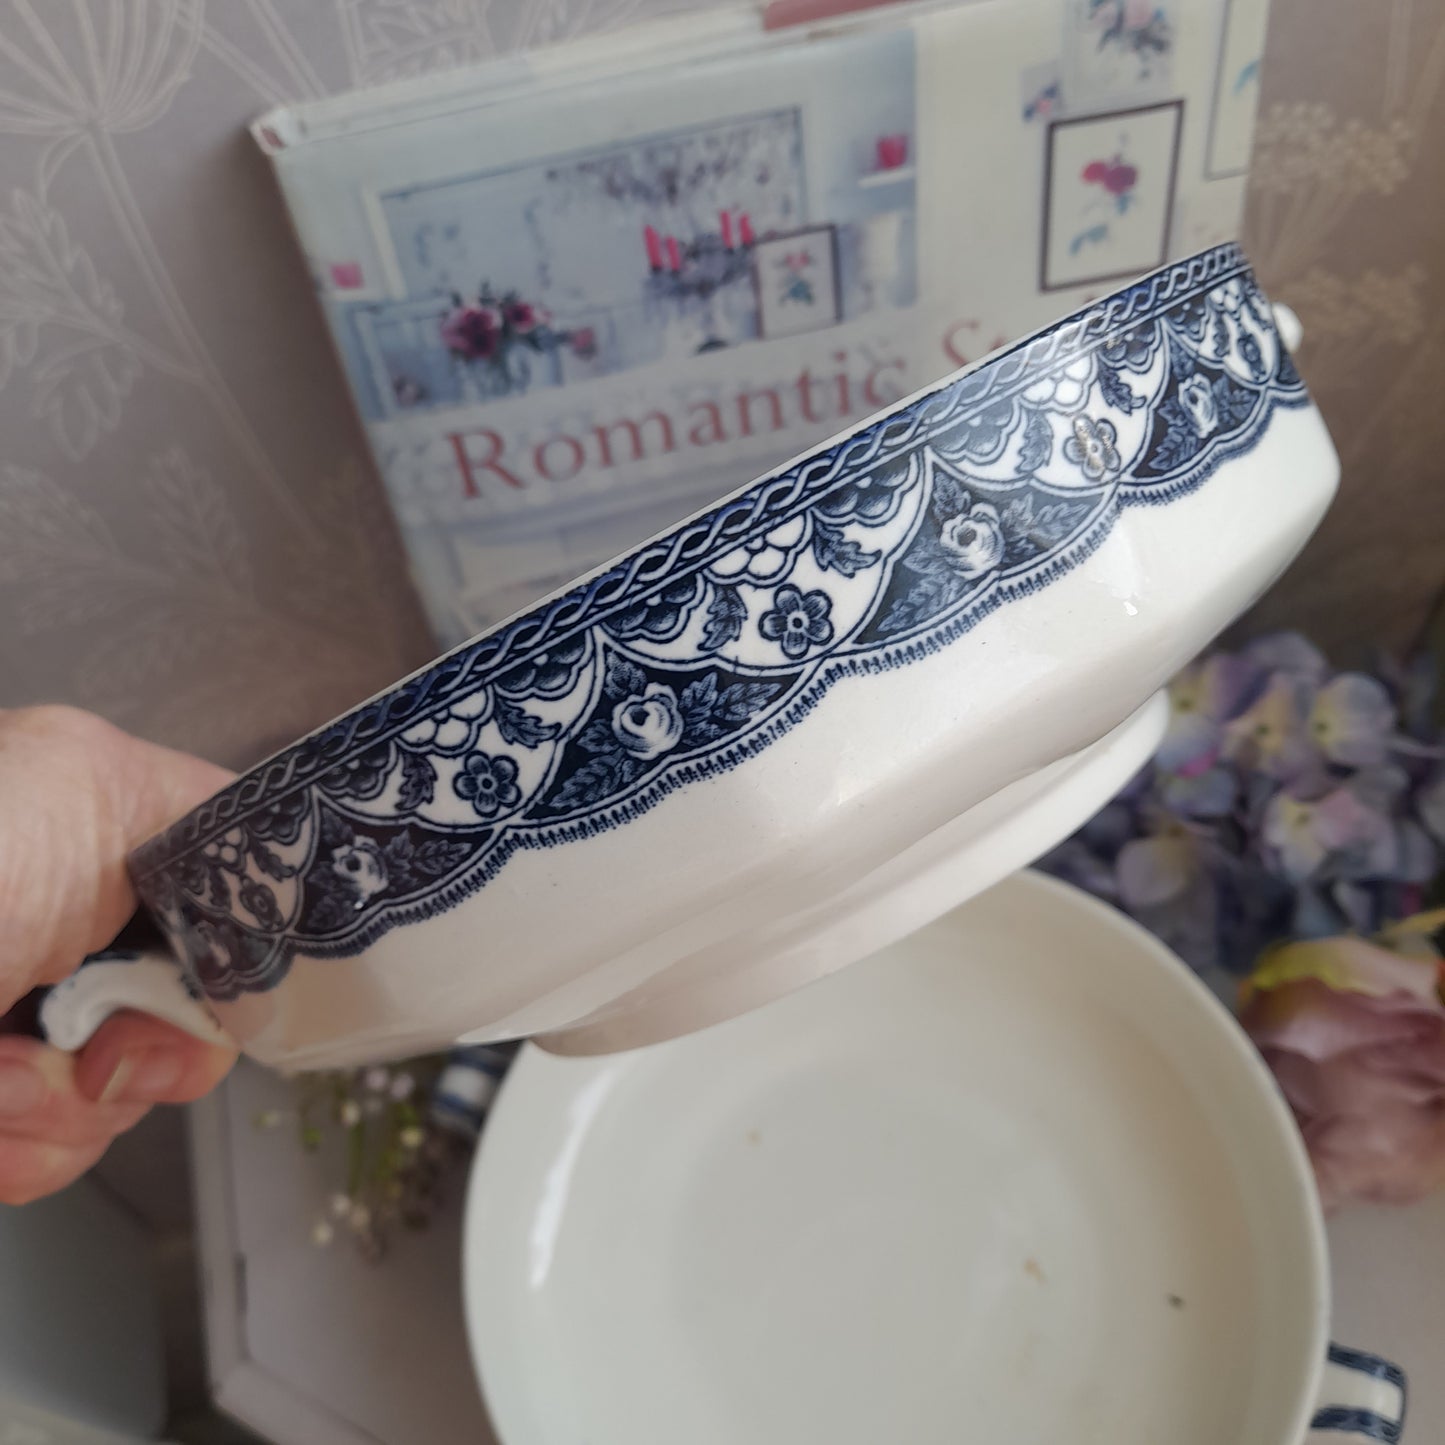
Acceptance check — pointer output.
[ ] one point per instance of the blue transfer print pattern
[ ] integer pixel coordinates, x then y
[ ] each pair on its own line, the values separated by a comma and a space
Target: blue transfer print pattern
697, 651
1358, 1421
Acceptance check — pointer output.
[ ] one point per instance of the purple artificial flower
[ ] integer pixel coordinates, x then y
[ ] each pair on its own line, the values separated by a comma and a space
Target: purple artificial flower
1288, 652
1272, 736
1202, 699
1158, 868
1353, 720
1283, 802
1210, 794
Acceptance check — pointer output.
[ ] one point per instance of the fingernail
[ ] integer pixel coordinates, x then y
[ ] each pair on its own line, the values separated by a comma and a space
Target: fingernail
143, 1078
22, 1089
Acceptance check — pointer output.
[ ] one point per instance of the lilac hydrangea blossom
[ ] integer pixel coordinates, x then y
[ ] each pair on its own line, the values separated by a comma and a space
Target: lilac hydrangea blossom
1285, 801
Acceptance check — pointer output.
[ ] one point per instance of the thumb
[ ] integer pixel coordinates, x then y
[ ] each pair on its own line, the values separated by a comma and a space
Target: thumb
76, 795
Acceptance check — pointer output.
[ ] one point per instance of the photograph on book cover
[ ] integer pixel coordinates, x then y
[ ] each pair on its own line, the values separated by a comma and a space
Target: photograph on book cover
1108, 195
577, 304
578, 264
1119, 52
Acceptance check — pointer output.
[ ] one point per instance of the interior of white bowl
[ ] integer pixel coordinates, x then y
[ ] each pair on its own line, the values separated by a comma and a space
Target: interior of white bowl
1017, 1178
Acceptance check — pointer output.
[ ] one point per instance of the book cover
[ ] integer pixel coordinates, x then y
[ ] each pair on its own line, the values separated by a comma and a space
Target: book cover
580, 294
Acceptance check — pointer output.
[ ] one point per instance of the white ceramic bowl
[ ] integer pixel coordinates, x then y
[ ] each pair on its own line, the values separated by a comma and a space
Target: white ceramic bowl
1018, 1178
707, 773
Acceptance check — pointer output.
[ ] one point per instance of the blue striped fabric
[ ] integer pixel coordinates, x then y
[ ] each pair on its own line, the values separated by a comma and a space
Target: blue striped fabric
468, 1085
1368, 1364
1358, 1422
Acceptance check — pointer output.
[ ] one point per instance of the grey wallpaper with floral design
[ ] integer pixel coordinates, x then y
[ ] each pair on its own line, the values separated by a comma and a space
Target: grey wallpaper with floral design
1346, 222
191, 538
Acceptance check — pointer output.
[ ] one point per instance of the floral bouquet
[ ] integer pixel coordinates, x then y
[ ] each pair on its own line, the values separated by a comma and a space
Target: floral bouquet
496, 333
387, 1140
1284, 802
1288, 832
373, 1134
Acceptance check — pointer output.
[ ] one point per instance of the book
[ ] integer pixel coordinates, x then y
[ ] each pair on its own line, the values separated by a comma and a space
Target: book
580, 293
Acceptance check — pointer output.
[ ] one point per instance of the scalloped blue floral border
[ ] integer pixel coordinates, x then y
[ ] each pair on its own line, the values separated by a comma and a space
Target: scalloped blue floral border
700, 649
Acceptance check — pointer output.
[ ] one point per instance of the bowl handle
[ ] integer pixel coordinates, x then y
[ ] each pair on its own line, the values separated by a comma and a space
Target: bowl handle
1362, 1397
1291, 332
106, 983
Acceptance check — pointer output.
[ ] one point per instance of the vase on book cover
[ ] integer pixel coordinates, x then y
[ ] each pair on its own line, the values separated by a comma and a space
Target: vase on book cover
506, 375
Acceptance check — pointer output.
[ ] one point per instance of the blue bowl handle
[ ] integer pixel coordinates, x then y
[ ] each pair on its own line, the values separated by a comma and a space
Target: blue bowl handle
1362, 1397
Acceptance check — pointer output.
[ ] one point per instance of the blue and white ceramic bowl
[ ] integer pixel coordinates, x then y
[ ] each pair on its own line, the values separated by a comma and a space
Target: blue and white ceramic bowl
785, 733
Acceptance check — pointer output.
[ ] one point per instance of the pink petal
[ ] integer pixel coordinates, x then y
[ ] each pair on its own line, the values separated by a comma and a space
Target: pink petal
1390, 1157
1363, 1081
1299, 1080
1312, 1020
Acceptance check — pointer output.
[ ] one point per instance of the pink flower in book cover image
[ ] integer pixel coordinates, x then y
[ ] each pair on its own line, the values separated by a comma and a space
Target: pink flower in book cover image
571, 266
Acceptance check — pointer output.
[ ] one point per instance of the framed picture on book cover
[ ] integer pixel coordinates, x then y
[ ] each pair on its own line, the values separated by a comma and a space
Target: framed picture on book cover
1119, 52
795, 278
1236, 88
1109, 195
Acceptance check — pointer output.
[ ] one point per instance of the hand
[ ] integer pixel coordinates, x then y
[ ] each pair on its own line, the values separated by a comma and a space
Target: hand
76, 795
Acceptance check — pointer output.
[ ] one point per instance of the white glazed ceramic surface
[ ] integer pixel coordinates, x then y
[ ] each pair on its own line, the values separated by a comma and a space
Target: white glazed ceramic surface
1018, 1178
970, 853
682, 767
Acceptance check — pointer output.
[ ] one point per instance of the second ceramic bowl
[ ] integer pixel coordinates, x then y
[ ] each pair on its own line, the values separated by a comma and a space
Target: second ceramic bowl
1018, 1178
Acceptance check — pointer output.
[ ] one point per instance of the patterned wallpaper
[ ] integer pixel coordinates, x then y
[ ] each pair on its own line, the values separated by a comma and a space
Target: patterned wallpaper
1346, 222
191, 538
